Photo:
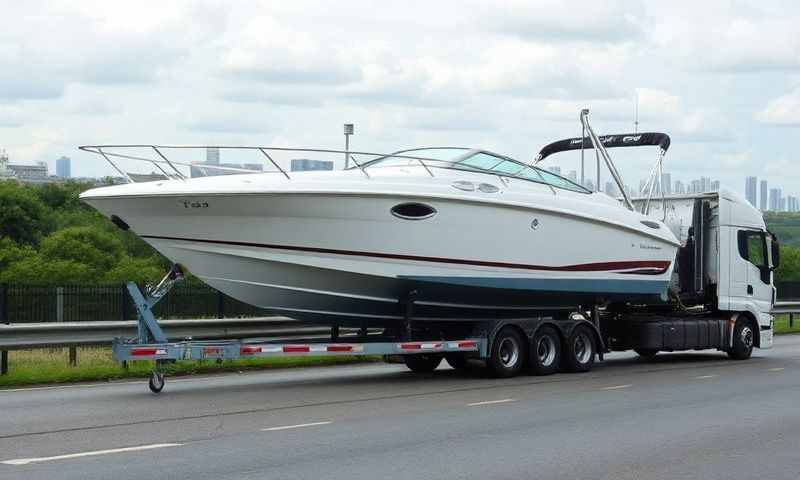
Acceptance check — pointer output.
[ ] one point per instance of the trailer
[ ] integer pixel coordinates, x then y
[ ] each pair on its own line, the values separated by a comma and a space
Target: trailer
720, 297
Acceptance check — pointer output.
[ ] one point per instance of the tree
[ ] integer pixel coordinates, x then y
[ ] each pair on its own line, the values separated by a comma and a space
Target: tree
789, 268
38, 270
23, 217
97, 249
11, 252
139, 270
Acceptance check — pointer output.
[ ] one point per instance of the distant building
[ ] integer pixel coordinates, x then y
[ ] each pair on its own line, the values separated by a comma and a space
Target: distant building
792, 204
5, 172
611, 189
762, 204
750, 190
555, 169
64, 167
714, 186
307, 165
666, 183
258, 167
212, 155
679, 187
25, 172
775, 199
573, 175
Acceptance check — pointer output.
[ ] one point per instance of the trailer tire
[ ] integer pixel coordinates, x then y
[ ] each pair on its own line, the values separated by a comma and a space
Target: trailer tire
507, 356
579, 350
743, 339
156, 382
545, 352
646, 353
457, 360
422, 362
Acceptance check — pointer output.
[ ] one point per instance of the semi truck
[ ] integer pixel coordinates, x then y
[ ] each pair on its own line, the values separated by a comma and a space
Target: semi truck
720, 297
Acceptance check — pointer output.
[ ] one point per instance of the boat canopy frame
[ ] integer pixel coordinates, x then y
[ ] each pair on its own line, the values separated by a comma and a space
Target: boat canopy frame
600, 144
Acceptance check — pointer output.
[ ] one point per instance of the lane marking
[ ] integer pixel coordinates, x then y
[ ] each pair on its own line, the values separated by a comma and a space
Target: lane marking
776, 369
617, 387
288, 427
490, 402
702, 377
26, 461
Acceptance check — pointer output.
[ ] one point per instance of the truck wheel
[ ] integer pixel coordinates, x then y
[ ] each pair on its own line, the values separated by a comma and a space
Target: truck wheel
156, 382
646, 353
743, 339
423, 362
508, 354
545, 351
457, 360
579, 350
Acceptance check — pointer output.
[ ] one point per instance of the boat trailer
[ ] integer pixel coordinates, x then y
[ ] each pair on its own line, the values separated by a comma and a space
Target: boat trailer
151, 343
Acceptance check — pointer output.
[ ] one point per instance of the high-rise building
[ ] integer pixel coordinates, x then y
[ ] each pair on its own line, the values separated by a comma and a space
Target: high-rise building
212, 155
679, 187
4, 171
783, 204
573, 175
63, 167
666, 183
611, 189
791, 204
705, 184
555, 169
774, 199
750, 190
305, 164
714, 186
762, 204
696, 186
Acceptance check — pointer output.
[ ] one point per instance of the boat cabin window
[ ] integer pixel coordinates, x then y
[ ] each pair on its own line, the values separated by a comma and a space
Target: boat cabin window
477, 161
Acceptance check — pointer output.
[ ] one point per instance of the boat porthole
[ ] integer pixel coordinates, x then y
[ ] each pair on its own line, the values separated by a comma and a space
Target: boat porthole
413, 211
648, 223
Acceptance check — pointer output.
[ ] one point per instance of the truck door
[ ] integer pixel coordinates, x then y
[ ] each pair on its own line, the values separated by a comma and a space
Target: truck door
752, 277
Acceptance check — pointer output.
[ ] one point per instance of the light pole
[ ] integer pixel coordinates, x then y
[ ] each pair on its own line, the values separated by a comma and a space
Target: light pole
348, 130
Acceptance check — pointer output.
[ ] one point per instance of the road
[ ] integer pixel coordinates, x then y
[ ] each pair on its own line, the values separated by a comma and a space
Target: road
687, 415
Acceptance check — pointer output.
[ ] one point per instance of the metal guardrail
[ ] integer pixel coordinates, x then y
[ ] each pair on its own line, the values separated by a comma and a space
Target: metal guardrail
80, 334
68, 334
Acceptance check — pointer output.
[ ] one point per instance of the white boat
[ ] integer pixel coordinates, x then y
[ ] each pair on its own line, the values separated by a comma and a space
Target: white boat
430, 234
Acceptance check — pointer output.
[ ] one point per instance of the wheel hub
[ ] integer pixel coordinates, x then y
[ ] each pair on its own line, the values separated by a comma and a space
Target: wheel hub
509, 352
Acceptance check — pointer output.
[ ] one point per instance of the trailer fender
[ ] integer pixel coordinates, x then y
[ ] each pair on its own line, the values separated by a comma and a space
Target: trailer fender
567, 329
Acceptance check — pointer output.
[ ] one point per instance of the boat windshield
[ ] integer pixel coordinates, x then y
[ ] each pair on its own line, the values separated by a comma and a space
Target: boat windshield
477, 161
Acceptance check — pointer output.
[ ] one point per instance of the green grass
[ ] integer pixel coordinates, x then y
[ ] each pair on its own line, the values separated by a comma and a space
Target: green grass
30, 367
782, 324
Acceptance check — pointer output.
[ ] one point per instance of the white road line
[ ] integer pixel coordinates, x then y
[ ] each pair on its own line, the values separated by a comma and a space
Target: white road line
777, 369
617, 387
26, 461
703, 377
490, 402
288, 427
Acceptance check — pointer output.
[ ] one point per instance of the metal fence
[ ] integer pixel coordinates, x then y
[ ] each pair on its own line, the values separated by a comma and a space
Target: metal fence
78, 303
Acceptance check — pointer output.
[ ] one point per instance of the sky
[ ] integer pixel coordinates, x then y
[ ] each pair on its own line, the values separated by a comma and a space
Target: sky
721, 77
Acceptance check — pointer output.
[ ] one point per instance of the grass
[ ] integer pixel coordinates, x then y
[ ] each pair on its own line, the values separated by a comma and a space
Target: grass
30, 367
782, 324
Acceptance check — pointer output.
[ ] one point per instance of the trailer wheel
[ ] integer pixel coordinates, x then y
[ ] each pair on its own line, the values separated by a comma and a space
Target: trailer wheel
545, 351
743, 339
646, 353
508, 354
457, 360
422, 362
156, 382
579, 350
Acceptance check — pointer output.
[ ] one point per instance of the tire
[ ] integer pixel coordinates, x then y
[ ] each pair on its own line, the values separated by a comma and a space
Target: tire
422, 362
457, 360
156, 382
579, 350
743, 339
646, 353
545, 351
508, 354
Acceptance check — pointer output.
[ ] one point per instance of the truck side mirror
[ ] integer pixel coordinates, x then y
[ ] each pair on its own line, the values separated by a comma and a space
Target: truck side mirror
775, 252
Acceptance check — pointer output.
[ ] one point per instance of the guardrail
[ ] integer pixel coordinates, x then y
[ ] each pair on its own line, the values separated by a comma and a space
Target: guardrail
791, 308
80, 334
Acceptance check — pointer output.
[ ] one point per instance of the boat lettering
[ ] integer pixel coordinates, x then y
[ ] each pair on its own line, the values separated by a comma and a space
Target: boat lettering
649, 247
188, 204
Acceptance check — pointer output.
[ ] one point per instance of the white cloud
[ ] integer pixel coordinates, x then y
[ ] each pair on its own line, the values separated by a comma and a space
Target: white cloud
784, 110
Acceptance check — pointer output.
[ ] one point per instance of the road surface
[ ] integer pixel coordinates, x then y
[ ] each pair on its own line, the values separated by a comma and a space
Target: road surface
687, 415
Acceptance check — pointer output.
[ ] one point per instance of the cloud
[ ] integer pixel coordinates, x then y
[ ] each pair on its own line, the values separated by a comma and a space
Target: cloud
554, 21
782, 111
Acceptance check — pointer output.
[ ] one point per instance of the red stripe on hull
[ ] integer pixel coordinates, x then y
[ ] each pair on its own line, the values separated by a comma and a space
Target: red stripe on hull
655, 267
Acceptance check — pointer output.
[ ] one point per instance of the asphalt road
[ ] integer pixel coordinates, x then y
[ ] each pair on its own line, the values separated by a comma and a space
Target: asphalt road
688, 415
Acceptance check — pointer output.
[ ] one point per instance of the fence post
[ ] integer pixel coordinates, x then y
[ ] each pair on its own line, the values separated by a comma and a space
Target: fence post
4, 319
791, 320
73, 351
220, 305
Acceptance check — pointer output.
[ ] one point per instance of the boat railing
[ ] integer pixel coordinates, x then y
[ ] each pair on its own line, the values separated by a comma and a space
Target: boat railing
163, 165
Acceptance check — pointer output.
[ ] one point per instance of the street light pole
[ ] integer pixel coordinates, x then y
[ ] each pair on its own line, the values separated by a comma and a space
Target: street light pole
348, 130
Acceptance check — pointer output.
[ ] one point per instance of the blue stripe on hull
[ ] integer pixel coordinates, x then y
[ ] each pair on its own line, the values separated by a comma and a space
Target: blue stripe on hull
646, 287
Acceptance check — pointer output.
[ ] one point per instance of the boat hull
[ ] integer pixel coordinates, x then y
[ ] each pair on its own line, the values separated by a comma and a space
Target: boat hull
346, 260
